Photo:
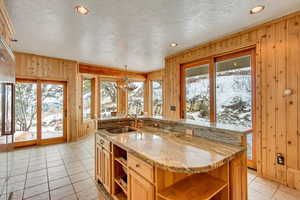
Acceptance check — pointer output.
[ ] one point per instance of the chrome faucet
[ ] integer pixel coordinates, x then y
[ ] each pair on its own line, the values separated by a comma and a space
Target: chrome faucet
138, 123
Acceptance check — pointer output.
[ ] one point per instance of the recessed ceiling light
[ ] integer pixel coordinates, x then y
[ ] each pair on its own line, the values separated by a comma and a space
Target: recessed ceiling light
82, 10
173, 44
257, 9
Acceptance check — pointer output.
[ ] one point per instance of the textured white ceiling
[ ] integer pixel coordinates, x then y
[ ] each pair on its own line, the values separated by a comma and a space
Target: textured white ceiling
133, 32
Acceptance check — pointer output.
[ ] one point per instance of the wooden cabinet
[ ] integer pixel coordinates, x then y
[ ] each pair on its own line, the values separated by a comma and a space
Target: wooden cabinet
98, 162
141, 167
139, 187
106, 169
103, 163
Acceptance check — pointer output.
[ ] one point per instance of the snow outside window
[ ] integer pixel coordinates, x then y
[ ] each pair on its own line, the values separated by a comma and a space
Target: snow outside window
234, 94
197, 93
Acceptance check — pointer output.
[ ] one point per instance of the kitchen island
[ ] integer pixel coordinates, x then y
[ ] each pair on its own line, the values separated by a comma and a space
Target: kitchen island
155, 164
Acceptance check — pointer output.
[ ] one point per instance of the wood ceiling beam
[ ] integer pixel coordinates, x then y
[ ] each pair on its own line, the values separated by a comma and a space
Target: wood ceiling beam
110, 72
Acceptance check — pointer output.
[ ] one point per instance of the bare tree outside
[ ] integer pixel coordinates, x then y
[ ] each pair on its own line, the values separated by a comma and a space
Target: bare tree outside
26, 104
109, 98
157, 98
52, 110
136, 98
26, 111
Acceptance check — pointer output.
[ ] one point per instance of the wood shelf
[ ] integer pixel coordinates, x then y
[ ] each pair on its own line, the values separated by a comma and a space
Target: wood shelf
122, 161
120, 196
122, 184
195, 187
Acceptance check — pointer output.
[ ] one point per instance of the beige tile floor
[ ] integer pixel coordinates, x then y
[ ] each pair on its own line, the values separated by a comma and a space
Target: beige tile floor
66, 171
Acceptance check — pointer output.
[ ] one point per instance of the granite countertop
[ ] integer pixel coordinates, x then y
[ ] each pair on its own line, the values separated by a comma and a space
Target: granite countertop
175, 152
234, 129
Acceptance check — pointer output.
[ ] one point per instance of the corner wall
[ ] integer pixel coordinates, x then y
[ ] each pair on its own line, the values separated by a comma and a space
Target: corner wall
277, 123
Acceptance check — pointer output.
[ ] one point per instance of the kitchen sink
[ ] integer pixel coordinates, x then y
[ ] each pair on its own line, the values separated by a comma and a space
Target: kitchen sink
119, 130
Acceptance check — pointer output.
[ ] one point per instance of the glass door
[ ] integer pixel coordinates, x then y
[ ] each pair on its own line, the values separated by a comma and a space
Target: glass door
221, 89
26, 112
52, 100
40, 112
234, 95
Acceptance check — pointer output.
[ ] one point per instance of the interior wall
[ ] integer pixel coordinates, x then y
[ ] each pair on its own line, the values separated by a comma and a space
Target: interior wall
277, 46
29, 66
6, 29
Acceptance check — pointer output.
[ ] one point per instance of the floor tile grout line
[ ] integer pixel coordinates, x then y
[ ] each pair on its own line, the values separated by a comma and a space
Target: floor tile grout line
69, 177
47, 176
28, 163
275, 191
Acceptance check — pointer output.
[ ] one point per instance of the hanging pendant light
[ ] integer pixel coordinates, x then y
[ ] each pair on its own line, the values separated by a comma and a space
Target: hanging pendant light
124, 84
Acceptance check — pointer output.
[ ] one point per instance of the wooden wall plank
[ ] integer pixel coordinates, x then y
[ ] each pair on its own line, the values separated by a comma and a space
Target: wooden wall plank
280, 110
270, 99
263, 45
258, 103
293, 52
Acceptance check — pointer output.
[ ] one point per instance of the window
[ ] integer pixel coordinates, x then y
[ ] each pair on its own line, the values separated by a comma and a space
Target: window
109, 98
230, 101
197, 92
157, 98
233, 91
86, 98
136, 98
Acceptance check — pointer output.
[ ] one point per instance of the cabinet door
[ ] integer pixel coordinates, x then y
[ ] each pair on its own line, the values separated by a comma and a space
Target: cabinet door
139, 188
106, 169
98, 162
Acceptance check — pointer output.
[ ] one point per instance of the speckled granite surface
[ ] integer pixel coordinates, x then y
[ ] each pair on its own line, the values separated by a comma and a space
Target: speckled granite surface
175, 151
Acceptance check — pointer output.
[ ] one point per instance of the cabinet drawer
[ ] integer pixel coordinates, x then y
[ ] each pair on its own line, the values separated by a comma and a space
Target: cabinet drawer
141, 167
103, 142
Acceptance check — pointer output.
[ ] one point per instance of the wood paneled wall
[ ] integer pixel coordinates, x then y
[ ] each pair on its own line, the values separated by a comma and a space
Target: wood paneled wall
6, 29
277, 46
29, 66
